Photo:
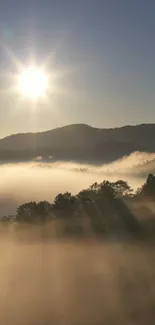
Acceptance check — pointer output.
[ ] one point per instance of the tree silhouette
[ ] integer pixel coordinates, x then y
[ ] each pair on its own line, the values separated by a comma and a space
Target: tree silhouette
106, 204
43, 210
33, 211
122, 189
106, 191
148, 189
64, 203
85, 196
27, 212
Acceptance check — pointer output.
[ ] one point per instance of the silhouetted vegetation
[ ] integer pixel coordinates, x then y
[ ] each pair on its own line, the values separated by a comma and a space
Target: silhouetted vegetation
148, 189
105, 209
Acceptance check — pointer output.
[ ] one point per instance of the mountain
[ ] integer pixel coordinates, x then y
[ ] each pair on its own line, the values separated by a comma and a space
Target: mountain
78, 142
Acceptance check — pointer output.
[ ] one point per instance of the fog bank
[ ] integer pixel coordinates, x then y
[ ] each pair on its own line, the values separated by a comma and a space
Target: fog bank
37, 180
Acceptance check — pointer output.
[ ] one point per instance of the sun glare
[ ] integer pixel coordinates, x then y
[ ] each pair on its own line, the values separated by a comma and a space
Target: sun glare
33, 83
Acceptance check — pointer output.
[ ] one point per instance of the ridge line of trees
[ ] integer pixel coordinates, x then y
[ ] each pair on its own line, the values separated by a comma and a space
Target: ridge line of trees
104, 204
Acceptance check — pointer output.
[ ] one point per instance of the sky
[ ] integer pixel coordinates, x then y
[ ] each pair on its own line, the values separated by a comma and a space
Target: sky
102, 53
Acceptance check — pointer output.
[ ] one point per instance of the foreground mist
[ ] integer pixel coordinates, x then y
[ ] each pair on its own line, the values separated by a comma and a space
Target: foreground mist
68, 282
63, 270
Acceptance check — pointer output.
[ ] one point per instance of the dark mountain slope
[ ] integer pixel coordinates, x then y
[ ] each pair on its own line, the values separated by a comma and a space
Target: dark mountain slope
79, 142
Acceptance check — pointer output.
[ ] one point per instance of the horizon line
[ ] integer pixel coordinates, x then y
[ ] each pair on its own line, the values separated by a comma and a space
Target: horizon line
77, 124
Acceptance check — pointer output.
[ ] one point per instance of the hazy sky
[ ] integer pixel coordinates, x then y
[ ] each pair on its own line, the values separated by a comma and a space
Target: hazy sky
102, 50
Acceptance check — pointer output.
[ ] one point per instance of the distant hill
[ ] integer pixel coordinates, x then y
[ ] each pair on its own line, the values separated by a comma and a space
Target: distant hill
78, 142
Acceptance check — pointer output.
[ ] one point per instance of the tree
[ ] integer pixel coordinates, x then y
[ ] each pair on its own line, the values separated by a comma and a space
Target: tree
106, 191
148, 189
7, 219
43, 209
27, 212
85, 196
122, 189
64, 202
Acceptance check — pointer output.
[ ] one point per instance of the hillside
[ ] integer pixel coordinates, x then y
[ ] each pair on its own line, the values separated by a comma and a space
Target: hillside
78, 142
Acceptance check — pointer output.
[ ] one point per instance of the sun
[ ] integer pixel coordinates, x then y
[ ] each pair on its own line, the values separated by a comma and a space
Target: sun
33, 83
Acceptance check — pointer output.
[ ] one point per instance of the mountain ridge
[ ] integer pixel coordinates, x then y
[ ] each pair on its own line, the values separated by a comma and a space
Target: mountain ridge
79, 142
81, 124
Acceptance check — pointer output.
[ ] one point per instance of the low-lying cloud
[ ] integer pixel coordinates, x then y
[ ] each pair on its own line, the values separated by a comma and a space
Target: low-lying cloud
38, 180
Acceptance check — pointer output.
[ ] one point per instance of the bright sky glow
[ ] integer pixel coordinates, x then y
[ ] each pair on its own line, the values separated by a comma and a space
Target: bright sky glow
33, 83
